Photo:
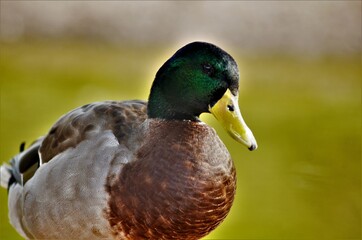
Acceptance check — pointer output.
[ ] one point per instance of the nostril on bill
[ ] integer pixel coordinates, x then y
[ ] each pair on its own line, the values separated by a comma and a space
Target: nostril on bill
231, 108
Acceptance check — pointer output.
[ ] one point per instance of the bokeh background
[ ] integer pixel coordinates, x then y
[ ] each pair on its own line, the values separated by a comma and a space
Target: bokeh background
300, 64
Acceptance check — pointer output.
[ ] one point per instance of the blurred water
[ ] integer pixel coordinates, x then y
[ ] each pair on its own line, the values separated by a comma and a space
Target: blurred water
313, 27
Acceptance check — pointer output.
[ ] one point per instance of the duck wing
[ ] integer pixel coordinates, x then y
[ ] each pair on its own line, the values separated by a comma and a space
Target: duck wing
67, 169
71, 129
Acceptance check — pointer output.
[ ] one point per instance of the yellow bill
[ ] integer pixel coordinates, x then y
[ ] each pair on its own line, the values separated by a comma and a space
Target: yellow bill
227, 112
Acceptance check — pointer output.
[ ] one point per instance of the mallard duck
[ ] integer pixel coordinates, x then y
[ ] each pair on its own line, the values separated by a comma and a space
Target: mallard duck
135, 169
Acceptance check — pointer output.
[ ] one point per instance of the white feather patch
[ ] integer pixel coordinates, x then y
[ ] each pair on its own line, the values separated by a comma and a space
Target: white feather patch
5, 175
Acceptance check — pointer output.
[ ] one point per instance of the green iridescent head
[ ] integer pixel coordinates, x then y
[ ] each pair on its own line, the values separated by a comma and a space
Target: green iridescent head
198, 78
195, 77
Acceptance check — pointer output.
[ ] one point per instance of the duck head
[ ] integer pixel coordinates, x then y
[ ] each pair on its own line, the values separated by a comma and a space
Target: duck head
200, 77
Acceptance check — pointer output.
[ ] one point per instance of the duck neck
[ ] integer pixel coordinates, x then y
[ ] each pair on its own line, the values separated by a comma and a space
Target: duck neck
160, 107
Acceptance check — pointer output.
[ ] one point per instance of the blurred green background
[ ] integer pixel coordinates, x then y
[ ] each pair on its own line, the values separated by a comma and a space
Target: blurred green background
302, 99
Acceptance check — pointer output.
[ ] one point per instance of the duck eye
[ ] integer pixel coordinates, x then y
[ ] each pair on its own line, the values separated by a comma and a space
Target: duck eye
208, 69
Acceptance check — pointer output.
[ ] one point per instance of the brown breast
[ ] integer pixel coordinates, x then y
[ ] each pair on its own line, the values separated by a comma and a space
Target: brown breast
180, 185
